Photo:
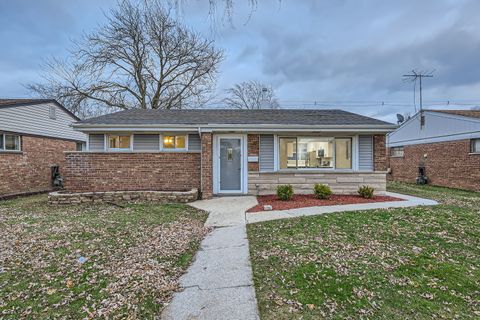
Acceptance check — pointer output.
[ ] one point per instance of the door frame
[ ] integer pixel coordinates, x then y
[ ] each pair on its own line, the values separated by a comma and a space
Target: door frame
243, 163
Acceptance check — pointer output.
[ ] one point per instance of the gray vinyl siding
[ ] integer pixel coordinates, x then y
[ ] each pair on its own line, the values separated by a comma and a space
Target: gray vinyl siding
35, 120
146, 142
96, 142
365, 153
439, 127
267, 152
194, 143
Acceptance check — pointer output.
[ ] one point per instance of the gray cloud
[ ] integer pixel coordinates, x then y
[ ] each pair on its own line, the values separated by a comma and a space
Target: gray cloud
307, 50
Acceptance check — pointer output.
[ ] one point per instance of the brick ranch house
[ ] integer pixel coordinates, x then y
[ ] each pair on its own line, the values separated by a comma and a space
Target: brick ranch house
34, 133
223, 152
445, 143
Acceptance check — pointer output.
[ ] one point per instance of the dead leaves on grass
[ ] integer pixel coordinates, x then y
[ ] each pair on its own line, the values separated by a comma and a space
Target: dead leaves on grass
124, 262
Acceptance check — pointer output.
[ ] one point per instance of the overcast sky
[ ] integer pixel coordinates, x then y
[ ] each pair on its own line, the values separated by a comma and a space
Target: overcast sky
340, 53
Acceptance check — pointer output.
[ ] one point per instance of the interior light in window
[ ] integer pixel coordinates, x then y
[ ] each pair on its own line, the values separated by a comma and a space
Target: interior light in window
169, 142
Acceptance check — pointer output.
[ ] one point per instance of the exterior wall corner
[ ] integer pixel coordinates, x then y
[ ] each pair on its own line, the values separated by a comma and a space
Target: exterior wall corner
207, 165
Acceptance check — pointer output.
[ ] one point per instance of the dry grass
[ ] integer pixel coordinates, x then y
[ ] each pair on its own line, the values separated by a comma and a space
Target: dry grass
420, 262
133, 255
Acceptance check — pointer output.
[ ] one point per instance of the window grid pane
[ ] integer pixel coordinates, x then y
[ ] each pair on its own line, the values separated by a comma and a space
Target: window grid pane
180, 142
119, 142
475, 146
12, 142
315, 152
1, 141
343, 153
174, 142
288, 153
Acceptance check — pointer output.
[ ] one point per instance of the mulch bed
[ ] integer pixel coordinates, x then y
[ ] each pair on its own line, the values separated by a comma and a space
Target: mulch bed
309, 200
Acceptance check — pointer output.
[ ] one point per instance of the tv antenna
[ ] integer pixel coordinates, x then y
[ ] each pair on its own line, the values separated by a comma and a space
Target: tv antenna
418, 75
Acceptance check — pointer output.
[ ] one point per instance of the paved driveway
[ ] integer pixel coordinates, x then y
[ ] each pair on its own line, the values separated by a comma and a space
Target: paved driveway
219, 285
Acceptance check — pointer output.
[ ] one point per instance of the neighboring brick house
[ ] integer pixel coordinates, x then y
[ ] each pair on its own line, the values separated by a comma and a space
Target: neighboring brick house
34, 133
445, 143
229, 151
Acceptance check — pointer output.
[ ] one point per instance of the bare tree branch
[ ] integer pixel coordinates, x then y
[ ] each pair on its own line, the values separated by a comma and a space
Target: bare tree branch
251, 95
140, 58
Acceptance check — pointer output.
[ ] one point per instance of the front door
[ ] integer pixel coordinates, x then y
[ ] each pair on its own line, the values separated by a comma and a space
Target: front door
230, 165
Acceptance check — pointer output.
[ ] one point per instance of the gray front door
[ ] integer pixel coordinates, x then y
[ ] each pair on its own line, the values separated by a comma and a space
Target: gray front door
230, 164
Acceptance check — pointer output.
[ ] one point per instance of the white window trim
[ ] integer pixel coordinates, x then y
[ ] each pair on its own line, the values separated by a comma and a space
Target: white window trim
107, 142
472, 143
353, 154
4, 149
397, 156
173, 149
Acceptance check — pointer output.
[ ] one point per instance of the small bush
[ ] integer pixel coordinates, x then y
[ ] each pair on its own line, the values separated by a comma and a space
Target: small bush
366, 192
285, 192
322, 191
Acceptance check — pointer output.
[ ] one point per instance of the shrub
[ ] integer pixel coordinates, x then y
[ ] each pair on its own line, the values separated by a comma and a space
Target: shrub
322, 191
285, 192
366, 192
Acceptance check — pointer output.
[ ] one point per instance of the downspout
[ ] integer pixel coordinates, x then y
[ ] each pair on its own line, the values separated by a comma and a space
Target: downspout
201, 160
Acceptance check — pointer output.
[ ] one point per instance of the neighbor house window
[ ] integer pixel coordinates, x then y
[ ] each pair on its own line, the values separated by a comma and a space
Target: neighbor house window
315, 152
9, 142
119, 142
475, 146
80, 146
396, 152
52, 112
174, 142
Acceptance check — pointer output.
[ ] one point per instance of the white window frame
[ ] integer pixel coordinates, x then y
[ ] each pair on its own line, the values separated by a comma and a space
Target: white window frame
173, 149
107, 142
4, 149
52, 112
400, 148
334, 159
472, 143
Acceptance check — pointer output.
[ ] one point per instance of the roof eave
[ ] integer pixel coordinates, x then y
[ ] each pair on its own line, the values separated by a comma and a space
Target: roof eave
229, 127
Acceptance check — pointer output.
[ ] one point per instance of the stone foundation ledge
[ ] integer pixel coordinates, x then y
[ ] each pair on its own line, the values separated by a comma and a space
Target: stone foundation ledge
123, 196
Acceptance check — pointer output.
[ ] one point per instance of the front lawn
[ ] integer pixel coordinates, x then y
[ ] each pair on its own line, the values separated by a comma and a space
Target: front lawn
421, 262
93, 261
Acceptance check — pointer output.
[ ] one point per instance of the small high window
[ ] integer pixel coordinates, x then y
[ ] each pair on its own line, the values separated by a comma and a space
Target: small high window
475, 146
396, 152
119, 142
52, 112
174, 142
10, 142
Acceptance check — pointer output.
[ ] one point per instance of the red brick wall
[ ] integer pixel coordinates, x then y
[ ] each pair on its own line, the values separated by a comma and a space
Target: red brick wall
207, 166
29, 170
253, 146
379, 153
447, 164
102, 171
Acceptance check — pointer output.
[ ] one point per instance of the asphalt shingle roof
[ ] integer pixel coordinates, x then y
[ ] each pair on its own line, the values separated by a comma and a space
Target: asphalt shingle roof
465, 113
13, 102
232, 116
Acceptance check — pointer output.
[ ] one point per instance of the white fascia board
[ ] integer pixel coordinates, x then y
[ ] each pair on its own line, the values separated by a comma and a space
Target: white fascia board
454, 116
235, 127
445, 138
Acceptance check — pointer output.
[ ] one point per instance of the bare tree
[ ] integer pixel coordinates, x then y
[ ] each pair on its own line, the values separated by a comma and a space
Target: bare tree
140, 58
251, 95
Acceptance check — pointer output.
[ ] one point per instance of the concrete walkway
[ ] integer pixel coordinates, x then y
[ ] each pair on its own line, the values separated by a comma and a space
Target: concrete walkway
409, 201
219, 285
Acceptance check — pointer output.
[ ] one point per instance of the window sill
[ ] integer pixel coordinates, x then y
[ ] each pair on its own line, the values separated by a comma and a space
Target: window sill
12, 151
474, 154
135, 151
314, 170
397, 156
